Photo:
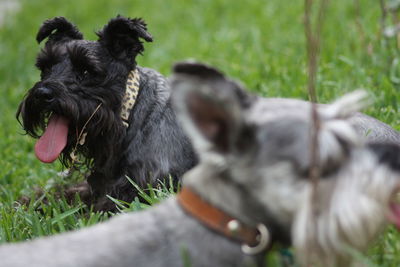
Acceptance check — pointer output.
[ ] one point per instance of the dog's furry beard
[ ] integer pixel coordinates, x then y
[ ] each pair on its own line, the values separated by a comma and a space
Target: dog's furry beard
330, 224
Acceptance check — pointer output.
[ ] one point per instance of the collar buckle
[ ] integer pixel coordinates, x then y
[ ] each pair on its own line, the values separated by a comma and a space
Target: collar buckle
263, 239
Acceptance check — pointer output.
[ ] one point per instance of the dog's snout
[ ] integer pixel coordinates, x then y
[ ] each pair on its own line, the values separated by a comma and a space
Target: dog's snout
45, 93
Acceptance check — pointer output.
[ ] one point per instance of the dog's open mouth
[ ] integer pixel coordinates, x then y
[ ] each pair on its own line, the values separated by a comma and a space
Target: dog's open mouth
394, 209
54, 139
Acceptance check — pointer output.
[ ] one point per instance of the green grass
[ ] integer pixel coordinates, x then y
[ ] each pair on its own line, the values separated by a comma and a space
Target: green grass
260, 43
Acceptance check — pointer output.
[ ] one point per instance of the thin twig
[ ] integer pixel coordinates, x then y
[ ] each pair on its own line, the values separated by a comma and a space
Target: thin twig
80, 135
313, 50
312, 54
383, 16
359, 26
86, 123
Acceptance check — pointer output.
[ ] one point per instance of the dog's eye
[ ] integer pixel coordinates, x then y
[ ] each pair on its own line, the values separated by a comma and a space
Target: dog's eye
83, 75
44, 72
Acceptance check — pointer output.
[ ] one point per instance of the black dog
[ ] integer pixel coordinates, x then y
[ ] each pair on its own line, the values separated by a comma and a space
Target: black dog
94, 101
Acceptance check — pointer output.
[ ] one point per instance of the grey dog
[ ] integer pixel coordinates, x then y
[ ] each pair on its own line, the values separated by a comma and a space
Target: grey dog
253, 176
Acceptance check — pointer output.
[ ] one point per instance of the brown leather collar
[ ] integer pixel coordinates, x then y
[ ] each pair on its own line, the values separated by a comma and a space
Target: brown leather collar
254, 239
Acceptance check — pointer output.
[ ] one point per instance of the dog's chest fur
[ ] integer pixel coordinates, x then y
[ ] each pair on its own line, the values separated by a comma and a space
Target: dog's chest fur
155, 144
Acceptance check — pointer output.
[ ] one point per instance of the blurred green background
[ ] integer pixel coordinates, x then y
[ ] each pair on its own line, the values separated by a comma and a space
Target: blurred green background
260, 43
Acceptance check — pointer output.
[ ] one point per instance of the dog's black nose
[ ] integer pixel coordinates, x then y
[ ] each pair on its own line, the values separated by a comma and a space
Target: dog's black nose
45, 93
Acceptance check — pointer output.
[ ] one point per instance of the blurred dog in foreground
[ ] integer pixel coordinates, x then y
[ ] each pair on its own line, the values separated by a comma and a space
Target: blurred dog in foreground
250, 190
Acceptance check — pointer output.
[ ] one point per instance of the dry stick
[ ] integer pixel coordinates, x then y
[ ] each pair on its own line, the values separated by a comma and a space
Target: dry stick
359, 26
78, 140
384, 15
395, 20
313, 48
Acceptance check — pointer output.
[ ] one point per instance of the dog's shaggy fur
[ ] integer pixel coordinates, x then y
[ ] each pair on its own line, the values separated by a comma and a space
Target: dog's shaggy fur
255, 168
79, 75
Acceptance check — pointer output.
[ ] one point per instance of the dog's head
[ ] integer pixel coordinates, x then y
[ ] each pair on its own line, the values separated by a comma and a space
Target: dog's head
81, 88
265, 162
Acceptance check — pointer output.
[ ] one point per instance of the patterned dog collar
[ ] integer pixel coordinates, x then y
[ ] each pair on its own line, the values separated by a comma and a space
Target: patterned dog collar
131, 92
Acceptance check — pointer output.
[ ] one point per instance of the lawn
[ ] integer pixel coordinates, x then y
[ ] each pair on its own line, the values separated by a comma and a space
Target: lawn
260, 43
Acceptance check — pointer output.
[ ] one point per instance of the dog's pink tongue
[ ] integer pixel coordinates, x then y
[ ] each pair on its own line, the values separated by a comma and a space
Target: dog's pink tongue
395, 214
53, 140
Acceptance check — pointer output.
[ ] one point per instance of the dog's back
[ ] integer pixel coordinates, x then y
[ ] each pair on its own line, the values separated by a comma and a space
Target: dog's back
367, 127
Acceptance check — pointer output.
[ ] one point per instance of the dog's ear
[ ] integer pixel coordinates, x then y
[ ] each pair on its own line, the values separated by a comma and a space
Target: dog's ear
198, 70
208, 106
121, 36
209, 75
388, 154
58, 29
